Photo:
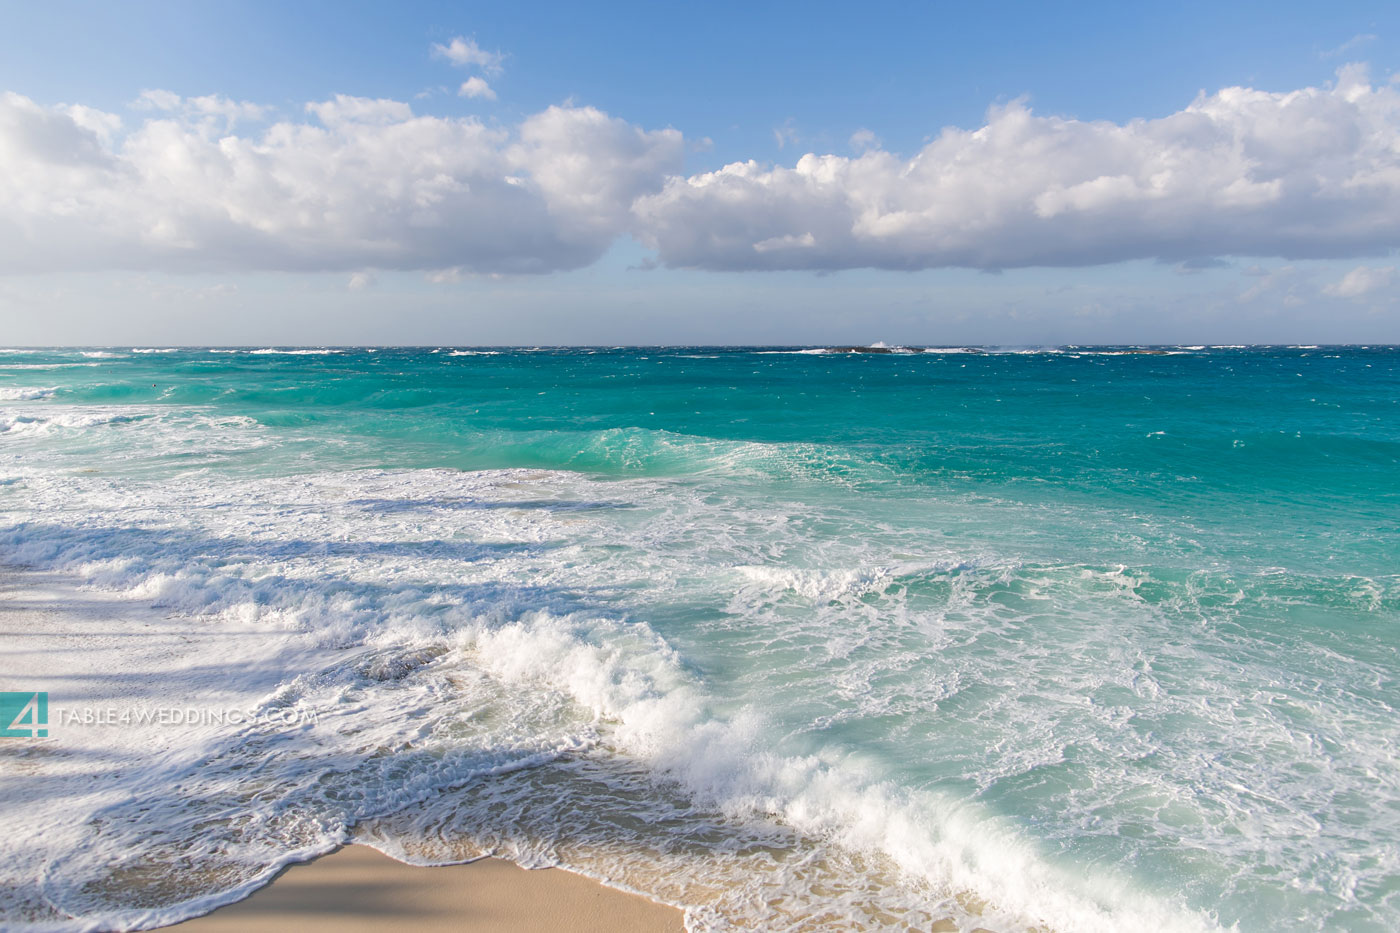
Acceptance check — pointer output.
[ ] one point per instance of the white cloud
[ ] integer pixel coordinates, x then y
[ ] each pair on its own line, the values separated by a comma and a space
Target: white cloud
1363, 280
445, 276
590, 167
156, 99
786, 135
1355, 41
1314, 173
805, 241
346, 110
104, 126
1281, 285
365, 184
476, 87
863, 139
215, 105
359, 281
207, 183
209, 106
465, 53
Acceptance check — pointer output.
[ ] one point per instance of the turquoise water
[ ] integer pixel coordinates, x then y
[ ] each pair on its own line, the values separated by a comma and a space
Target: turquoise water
1083, 637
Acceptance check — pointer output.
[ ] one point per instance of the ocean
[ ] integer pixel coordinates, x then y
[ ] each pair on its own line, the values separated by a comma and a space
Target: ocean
1074, 638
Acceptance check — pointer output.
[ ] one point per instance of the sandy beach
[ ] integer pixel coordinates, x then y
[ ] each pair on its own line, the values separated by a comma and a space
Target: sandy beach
358, 888
57, 636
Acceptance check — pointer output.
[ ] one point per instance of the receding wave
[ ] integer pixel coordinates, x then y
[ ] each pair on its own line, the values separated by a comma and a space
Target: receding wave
1021, 642
593, 702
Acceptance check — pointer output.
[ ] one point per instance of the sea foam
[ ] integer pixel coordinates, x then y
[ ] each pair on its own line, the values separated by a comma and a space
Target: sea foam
1024, 641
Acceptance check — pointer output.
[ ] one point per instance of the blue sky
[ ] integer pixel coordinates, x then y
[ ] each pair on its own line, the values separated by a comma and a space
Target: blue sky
872, 238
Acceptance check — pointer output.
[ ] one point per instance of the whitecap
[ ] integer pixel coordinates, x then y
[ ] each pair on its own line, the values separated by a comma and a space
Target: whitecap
25, 393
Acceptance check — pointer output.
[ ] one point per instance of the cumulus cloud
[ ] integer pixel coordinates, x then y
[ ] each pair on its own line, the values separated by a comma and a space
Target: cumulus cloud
465, 53
1361, 281
157, 99
360, 184
210, 106
1312, 173
352, 183
345, 110
476, 87
103, 125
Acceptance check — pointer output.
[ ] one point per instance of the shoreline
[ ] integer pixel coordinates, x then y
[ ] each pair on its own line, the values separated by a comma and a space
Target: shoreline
62, 638
358, 888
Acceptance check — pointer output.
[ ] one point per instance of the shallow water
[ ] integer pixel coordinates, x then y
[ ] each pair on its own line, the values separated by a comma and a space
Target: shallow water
1076, 638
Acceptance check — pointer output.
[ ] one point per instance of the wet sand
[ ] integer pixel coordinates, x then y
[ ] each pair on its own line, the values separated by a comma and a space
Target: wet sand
357, 889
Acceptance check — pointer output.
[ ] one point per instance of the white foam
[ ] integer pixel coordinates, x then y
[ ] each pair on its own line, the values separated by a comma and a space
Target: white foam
263, 556
301, 351
25, 393
45, 365
540, 601
24, 421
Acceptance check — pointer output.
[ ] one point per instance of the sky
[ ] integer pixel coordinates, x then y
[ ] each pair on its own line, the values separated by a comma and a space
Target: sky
644, 173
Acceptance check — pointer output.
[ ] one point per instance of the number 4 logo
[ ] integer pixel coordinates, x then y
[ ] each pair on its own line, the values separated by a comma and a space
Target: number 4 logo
27, 715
